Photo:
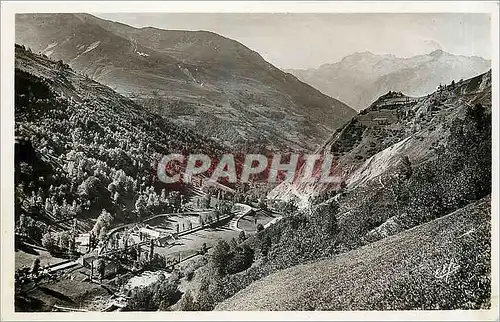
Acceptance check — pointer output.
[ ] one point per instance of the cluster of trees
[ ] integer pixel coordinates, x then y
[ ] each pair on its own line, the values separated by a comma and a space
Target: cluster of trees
203, 202
252, 193
137, 258
63, 242
297, 238
286, 207
460, 174
224, 206
157, 296
183, 225
29, 227
188, 271
303, 235
101, 227
209, 218
222, 209
323, 196
148, 201
226, 260
60, 243
231, 258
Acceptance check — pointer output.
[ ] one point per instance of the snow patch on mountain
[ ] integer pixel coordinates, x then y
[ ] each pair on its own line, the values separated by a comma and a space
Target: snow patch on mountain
91, 47
47, 49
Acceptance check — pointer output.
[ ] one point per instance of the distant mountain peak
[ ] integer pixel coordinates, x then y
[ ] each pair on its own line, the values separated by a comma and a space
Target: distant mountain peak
438, 53
363, 53
359, 55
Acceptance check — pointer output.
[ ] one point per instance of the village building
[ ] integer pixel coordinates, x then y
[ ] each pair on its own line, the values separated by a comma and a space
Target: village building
146, 233
82, 239
82, 242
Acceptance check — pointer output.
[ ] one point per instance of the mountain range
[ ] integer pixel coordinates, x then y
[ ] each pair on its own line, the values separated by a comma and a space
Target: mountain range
417, 177
407, 228
200, 79
360, 78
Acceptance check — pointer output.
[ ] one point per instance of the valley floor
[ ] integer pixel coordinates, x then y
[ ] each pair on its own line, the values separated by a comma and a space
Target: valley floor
70, 288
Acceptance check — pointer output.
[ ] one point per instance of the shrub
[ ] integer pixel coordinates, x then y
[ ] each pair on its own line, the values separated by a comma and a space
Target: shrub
187, 302
240, 259
227, 260
203, 249
220, 257
241, 236
159, 295
189, 272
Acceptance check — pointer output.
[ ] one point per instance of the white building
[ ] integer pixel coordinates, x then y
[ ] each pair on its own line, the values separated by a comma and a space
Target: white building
82, 239
149, 232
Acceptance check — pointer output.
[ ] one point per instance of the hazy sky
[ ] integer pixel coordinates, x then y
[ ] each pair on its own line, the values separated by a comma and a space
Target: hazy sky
309, 40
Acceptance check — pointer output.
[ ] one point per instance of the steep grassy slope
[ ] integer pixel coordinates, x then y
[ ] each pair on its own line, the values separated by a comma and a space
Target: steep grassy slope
203, 80
360, 78
444, 264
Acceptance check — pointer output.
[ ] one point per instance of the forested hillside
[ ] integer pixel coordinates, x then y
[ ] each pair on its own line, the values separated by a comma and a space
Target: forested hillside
82, 148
